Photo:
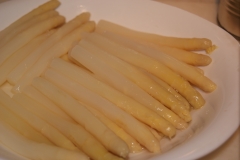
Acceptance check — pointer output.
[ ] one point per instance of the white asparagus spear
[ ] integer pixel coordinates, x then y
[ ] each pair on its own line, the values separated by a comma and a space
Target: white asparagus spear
169, 89
33, 150
131, 106
24, 37
19, 55
66, 58
139, 78
50, 5
124, 120
179, 67
82, 116
27, 63
39, 97
49, 131
41, 126
133, 145
21, 126
183, 43
191, 58
76, 133
57, 50
27, 25
151, 65
142, 97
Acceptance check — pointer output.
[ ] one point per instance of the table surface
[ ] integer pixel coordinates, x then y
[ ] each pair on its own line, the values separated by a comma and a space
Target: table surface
207, 9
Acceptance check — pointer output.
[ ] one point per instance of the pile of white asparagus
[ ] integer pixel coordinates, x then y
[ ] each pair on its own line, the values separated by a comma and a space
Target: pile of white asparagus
81, 91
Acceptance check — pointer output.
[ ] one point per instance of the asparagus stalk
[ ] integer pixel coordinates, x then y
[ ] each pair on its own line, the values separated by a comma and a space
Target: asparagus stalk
80, 114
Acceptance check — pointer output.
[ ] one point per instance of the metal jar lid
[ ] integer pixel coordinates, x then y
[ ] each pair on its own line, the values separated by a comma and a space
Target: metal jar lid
229, 16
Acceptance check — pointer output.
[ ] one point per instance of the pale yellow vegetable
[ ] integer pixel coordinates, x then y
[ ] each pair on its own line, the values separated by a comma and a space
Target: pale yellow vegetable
27, 25
183, 43
198, 69
151, 65
157, 134
188, 57
38, 124
78, 63
21, 126
65, 58
169, 89
76, 133
82, 116
45, 101
19, 55
121, 118
129, 105
211, 49
133, 145
139, 78
57, 50
49, 131
71, 60
117, 81
50, 5
27, 63
179, 67
33, 150
27, 35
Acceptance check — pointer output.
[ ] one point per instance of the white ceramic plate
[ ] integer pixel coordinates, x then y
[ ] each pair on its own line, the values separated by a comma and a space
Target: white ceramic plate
218, 119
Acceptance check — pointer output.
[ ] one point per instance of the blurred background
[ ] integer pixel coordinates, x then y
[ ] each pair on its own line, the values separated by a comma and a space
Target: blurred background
224, 13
